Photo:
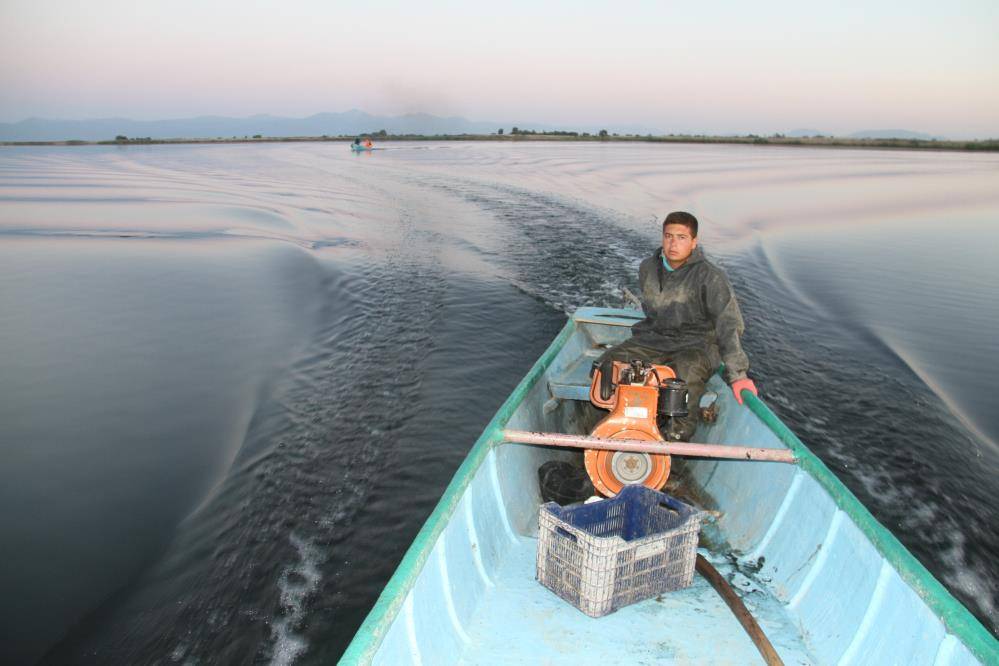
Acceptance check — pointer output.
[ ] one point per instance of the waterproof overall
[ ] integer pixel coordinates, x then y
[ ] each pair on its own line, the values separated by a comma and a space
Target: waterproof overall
692, 323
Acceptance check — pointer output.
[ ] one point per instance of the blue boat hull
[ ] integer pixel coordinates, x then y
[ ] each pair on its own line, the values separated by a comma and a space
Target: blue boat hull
827, 583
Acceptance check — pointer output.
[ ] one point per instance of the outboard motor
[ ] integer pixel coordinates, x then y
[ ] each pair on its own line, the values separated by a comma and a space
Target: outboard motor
641, 398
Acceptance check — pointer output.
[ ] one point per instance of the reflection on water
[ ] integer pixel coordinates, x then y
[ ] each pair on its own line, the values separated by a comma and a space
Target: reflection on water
235, 379
130, 374
923, 287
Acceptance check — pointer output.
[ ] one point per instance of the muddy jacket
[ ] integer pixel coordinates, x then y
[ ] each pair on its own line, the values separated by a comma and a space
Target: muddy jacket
692, 307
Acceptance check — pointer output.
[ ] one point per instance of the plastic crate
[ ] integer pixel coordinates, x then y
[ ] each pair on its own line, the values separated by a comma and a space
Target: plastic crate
603, 556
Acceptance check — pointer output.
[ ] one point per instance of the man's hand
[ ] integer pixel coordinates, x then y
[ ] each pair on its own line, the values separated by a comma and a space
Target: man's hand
740, 384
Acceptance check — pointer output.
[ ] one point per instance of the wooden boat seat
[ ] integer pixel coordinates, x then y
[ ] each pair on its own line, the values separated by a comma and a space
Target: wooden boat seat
602, 328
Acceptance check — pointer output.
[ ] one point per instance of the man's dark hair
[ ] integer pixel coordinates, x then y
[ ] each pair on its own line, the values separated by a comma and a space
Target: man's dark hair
680, 217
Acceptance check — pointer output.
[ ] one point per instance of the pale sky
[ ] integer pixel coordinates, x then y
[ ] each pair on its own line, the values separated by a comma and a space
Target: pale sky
709, 66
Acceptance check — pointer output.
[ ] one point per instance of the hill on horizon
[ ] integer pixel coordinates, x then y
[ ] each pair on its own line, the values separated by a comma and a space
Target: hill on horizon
892, 134
347, 123
804, 133
867, 134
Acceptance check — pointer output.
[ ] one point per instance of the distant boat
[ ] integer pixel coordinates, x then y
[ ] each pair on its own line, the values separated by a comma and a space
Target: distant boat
827, 583
360, 147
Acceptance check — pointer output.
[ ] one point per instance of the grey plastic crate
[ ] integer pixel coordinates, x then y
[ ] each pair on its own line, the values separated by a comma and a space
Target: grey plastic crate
603, 556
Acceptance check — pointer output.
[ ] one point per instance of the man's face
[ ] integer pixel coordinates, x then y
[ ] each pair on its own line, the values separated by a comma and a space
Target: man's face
677, 244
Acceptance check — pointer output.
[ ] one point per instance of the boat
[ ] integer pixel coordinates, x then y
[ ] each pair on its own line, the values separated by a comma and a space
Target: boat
827, 583
361, 148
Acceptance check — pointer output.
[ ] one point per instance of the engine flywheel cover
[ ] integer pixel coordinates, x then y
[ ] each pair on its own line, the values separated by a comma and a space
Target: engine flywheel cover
612, 470
631, 467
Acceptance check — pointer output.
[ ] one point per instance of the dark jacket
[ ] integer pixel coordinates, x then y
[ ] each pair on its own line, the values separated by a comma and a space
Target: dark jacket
692, 307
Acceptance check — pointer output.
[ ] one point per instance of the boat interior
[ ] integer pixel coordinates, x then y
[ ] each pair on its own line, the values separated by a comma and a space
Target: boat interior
819, 588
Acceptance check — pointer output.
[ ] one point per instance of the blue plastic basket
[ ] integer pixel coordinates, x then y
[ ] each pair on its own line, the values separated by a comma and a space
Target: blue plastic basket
603, 556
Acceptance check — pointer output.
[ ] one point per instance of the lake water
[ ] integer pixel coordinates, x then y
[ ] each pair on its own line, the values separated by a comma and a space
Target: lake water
235, 379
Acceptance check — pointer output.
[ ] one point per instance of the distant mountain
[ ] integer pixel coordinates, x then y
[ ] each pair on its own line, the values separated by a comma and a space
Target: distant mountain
801, 133
865, 134
205, 127
891, 134
348, 122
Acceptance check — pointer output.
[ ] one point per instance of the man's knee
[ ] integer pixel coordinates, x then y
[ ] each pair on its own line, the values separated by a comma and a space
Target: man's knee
630, 350
692, 366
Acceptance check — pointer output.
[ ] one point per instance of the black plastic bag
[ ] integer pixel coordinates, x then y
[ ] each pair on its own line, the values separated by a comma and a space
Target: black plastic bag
564, 483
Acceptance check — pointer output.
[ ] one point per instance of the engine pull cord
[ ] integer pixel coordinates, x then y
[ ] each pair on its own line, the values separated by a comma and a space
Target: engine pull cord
738, 608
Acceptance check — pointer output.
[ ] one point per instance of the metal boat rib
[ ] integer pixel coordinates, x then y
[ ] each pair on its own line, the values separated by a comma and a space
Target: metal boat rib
825, 580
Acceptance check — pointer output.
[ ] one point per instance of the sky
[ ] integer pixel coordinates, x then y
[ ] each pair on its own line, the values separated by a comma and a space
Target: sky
712, 66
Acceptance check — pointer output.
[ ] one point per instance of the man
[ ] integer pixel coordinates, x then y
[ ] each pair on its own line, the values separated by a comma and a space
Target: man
692, 320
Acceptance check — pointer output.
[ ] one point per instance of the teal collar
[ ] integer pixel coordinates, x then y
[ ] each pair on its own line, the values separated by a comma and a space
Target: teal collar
666, 265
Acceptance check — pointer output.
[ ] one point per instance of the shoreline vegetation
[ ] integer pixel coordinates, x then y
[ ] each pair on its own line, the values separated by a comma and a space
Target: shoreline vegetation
517, 135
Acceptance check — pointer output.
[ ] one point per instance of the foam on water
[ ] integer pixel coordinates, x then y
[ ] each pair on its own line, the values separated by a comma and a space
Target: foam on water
297, 582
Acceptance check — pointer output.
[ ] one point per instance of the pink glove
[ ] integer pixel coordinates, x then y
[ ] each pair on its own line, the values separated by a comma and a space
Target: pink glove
740, 384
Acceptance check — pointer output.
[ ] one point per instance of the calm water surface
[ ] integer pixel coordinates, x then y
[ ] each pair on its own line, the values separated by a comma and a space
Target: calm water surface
234, 380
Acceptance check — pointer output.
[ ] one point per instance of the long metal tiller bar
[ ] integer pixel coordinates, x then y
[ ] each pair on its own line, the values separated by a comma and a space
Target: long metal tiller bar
643, 446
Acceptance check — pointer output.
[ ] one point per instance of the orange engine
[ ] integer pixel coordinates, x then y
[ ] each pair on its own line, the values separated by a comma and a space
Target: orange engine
631, 393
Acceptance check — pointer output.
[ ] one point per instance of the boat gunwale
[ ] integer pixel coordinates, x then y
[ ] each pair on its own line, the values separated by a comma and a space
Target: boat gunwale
956, 618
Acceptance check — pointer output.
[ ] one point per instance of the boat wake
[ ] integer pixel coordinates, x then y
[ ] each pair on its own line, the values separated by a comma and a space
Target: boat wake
438, 289
562, 252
